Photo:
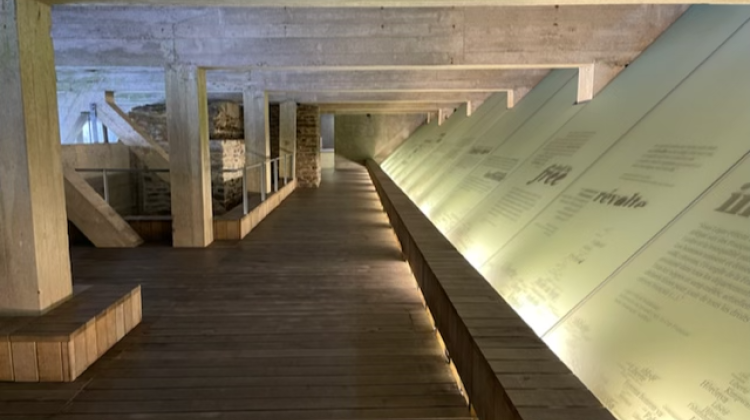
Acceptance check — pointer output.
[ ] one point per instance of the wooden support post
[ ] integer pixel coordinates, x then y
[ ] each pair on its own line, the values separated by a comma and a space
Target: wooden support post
189, 162
257, 138
288, 135
34, 258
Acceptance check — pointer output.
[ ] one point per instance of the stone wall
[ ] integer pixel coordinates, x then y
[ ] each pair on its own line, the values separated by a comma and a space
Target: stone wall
226, 186
308, 146
225, 121
227, 151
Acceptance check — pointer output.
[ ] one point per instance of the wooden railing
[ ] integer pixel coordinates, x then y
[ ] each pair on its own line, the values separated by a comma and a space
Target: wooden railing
508, 372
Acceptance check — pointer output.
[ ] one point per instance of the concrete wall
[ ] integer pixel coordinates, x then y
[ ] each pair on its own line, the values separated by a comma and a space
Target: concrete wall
362, 137
104, 156
327, 134
327, 159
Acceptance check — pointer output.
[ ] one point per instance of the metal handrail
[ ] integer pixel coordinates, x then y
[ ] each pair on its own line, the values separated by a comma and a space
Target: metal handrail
275, 163
121, 170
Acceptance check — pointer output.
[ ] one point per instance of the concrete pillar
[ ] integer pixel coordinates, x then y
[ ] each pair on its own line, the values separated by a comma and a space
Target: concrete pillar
189, 161
34, 259
257, 138
288, 135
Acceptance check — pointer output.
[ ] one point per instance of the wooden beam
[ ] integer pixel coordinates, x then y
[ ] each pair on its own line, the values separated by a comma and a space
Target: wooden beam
395, 4
34, 259
189, 161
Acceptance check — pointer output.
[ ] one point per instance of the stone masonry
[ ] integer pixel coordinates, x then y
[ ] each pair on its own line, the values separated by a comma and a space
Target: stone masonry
308, 146
227, 151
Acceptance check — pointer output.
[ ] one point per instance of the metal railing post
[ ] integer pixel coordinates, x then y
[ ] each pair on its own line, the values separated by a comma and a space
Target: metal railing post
105, 181
276, 175
286, 169
245, 204
263, 181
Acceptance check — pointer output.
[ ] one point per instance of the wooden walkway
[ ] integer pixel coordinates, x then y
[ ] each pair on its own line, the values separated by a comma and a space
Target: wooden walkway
313, 316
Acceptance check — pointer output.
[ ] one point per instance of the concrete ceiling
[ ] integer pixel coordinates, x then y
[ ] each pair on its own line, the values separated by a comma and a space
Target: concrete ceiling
353, 58
382, 3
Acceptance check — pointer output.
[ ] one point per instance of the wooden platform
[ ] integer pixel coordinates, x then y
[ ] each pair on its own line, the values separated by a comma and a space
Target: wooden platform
61, 344
234, 225
314, 315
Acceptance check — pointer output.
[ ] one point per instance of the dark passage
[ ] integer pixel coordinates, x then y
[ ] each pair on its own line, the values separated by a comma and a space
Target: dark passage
313, 316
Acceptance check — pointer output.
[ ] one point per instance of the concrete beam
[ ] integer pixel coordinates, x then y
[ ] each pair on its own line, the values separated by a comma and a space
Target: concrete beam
126, 100
150, 80
189, 162
377, 97
386, 108
95, 217
394, 4
257, 139
34, 259
417, 79
358, 39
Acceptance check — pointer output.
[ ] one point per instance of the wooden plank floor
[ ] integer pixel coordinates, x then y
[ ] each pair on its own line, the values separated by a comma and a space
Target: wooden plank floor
313, 316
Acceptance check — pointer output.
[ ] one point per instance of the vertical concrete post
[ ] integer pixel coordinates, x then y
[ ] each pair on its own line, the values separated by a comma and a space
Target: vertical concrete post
189, 162
288, 135
257, 137
34, 258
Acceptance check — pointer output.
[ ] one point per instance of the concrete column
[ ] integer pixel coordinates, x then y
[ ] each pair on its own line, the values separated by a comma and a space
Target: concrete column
288, 134
189, 161
257, 137
34, 259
